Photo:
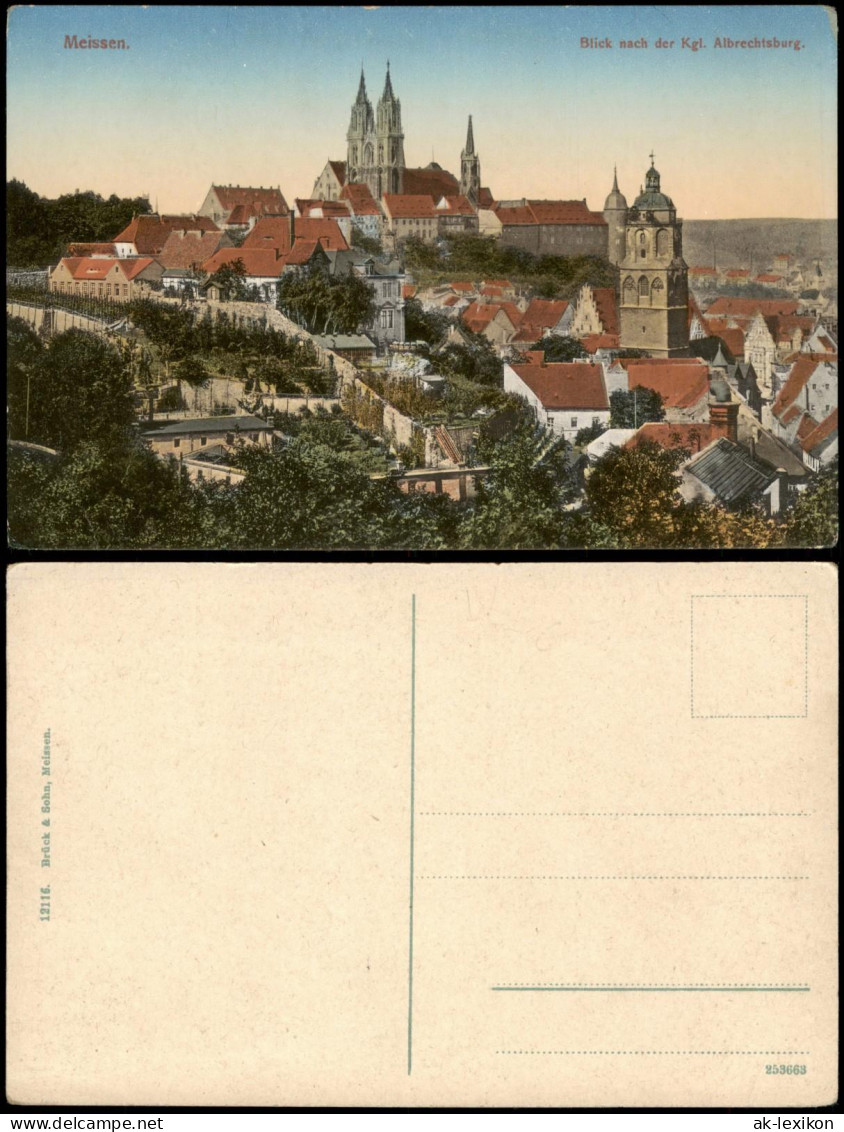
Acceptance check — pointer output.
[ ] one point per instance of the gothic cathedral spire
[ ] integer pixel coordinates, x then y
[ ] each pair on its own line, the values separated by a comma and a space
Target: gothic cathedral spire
470, 168
390, 143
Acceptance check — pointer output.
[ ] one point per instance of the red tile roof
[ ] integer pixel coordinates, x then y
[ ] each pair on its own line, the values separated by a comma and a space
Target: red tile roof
338, 168
747, 308
492, 292
591, 343
450, 300
133, 267
455, 206
820, 433
301, 252
91, 249
434, 183
329, 208
252, 202
274, 232
731, 336
477, 316
405, 206
607, 309
485, 198
694, 436
97, 268
768, 278
361, 199
807, 425
542, 315
549, 212
796, 382
695, 312
263, 262
408, 290
505, 283
703, 271
565, 385
462, 285
185, 250
681, 382
149, 233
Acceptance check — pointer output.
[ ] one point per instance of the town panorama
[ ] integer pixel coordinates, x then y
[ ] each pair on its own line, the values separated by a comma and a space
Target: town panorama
401, 358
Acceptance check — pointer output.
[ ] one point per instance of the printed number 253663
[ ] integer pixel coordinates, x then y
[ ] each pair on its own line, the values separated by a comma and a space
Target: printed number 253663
795, 1070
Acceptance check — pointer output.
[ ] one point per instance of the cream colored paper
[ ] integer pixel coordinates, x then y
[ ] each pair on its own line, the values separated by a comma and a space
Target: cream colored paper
298, 857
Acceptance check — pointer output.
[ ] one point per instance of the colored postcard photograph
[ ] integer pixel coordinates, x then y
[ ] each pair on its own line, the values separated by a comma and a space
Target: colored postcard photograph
408, 882
430, 279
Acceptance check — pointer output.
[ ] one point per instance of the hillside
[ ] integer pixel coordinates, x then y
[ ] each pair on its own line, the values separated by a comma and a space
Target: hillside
736, 241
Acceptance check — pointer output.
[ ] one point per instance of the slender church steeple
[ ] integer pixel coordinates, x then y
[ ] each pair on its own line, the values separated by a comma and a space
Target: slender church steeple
360, 150
390, 142
470, 168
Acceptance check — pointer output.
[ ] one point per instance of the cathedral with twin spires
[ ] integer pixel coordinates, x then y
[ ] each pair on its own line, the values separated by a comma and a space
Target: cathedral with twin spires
375, 157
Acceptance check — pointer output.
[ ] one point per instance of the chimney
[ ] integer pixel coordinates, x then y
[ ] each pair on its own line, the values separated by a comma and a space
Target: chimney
723, 416
292, 226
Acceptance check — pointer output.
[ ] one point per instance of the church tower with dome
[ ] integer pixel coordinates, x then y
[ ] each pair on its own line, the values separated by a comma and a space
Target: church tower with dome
653, 277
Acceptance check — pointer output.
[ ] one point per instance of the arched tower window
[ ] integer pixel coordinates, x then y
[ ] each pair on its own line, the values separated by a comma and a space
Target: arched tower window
644, 293
656, 292
629, 292
643, 286
367, 155
380, 155
663, 242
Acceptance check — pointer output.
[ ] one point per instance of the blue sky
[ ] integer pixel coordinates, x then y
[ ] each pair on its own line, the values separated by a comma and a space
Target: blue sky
262, 96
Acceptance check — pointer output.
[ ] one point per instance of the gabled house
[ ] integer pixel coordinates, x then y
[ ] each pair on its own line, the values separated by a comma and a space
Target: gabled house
146, 235
595, 312
682, 383
456, 216
238, 207
409, 215
329, 184
118, 279
282, 232
565, 396
337, 210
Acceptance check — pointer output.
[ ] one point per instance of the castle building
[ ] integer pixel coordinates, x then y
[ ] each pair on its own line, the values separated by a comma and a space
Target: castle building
653, 278
375, 158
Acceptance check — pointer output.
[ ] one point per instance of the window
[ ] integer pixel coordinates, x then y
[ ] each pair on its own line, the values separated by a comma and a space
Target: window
203, 440
253, 436
549, 420
574, 422
229, 438
176, 442
596, 420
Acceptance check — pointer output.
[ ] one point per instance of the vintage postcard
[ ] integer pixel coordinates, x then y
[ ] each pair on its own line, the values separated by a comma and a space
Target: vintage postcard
424, 278
450, 835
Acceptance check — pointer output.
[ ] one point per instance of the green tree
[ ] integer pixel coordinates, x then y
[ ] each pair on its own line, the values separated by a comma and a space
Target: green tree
24, 354
304, 496
813, 520
634, 407
231, 280
80, 391
518, 505
326, 305
559, 349
632, 493
424, 326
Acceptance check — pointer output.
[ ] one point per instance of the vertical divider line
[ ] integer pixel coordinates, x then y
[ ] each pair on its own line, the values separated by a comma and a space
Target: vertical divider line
412, 816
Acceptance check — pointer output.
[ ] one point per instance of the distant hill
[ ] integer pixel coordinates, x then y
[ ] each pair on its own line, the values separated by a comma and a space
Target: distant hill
736, 241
